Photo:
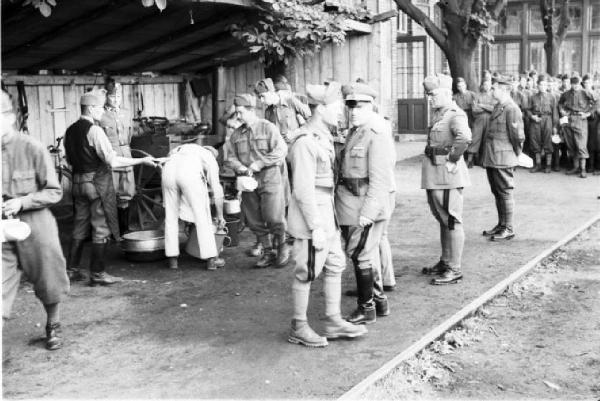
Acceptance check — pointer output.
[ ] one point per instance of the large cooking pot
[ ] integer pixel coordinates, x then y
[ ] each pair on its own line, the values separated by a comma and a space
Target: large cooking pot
231, 206
147, 245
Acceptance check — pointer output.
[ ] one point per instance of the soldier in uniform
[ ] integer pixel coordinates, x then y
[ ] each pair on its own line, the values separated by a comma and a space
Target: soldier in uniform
520, 94
592, 145
312, 223
29, 187
92, 157
445, 174
543, 115
482, 109
365, 185
464, 98
120, 138
575, 107
257, 149
501, 148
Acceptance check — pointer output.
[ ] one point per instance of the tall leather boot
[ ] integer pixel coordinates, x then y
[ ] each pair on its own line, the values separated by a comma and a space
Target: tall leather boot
97, 274
548, 163
365, 311
575, 168
123, 217
556, 159
538, 164
583, 172
74, 260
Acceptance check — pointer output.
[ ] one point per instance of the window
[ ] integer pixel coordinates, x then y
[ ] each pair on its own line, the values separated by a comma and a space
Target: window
505, 57
537, 56
402, 22
509, 22
411, 69
595, 17
595, 57
535, 18
569, 58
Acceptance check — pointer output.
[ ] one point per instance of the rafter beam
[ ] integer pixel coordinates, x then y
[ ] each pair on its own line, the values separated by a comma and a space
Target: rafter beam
98, 41
210, 40
153, 44
206, 59
83, 19
232, 61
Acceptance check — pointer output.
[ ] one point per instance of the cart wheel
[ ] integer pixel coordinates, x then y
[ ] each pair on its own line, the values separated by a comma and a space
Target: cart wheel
147, 211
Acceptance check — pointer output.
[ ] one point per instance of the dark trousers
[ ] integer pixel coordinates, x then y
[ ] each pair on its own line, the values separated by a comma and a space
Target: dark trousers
502, 184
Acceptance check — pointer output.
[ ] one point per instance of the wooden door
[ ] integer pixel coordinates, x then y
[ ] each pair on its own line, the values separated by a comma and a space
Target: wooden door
412, 103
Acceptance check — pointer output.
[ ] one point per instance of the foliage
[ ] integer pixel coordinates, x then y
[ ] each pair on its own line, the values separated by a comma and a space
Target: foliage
45, 6
285, 29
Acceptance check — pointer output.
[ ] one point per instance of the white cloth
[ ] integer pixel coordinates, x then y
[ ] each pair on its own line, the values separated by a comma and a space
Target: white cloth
184, 180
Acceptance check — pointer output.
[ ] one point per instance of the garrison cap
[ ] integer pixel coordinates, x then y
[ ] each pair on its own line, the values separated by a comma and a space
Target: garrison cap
95, 97
6, 101
359, 92
575, 79
281, 83
542, 78
324, 94
245, 99
437, 81
264, 85
586, 77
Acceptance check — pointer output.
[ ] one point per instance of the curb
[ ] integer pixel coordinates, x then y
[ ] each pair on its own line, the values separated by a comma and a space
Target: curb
355, 392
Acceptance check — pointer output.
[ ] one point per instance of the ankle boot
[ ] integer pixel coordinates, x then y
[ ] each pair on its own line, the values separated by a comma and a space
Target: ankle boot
74, 260
336, 327
302, 333
575, 168
123, 217
365, 312
583, 171
97, 274
548, 163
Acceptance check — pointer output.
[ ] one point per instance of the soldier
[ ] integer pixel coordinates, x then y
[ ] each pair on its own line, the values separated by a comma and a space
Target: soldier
257, 149
120, 138
543, 115
560, 154
482, 109
594, 134
501, 148
445, 174
365, 182
586, 83
575, 107
92, 157
464, 98
312, 223
520, 94
29, 187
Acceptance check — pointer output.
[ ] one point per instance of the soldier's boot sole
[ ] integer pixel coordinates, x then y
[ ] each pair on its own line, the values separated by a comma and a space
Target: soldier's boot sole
301, 341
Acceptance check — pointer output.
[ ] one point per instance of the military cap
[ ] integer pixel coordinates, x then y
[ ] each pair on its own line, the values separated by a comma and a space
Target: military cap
264, 85
359, 92
586, 77
542, 78
460, 79
95, 97
532, 73
227, 114
281, 83
112, 88
502, 80
575, 79
245, 99
6, 101
323, 94
437, 81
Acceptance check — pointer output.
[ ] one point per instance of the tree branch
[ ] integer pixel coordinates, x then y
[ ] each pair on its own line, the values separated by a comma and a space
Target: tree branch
498, 7
438, 36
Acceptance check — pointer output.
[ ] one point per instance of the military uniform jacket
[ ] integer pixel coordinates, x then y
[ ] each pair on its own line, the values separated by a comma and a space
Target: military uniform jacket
521, 97
505, 136
285, 114
465, 100
260, 143
484, 103
576, 101
543, 103
368, 153
312, 157
112, 124
449, 130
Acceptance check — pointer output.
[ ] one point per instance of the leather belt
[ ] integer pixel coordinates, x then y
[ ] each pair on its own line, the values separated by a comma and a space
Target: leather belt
354, 185
431, 151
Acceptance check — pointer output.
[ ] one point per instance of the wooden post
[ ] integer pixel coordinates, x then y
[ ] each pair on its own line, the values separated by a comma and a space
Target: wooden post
219, 99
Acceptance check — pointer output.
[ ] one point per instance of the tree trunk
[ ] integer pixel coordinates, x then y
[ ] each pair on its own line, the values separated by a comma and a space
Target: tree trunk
460, 53
552, 49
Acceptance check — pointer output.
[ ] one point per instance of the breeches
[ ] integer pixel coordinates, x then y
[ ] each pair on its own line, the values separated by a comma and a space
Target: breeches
576, 137
362, 244
446, 206
89, 212
541, 135
124, 183
309, 262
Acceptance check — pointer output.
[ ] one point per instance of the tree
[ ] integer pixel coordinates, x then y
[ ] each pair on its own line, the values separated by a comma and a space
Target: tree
556, 22
465, 23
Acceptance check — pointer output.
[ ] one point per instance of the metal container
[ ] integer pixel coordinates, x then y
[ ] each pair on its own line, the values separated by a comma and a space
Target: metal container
146, 246
231, 206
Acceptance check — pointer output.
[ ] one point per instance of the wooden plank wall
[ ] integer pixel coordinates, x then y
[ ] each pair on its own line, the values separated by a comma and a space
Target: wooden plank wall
53, 107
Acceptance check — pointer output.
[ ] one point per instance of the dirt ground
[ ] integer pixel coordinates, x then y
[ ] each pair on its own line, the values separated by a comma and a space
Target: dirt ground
195, 333
539, 340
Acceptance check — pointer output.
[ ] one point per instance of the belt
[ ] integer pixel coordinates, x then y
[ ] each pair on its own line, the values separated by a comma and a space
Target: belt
354, 185
431, 151
576, 114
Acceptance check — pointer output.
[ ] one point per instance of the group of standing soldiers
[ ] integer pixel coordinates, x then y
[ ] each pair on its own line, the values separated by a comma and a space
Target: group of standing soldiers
561, 117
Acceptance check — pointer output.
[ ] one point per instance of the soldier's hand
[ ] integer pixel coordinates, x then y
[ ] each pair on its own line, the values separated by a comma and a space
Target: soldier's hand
254, 167
12, 207
242, 170
149, 161
364, 221
318, 238
451, 167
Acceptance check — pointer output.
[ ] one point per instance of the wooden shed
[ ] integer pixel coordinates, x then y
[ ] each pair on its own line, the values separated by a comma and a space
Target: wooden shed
153, 54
